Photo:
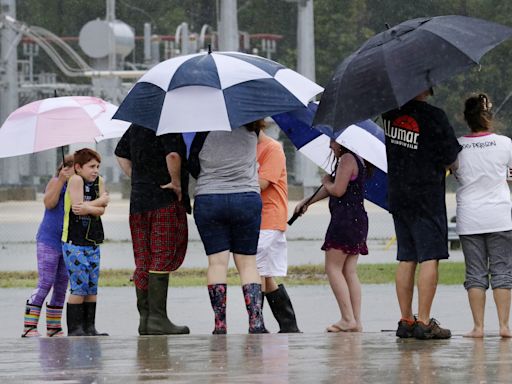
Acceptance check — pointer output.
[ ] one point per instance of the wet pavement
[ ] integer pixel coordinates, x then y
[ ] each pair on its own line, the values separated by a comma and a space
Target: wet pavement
314, 356
276, 358
252, 359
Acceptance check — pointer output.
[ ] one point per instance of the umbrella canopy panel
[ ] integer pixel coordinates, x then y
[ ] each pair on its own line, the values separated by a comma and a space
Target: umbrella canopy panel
365, 139
213, 91
396, 65
58, 121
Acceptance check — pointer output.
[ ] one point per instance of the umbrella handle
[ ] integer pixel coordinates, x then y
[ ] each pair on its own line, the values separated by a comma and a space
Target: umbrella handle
293, 218
296, 215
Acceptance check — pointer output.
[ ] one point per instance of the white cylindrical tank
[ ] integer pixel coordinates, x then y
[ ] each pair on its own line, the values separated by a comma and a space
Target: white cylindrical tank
98, 38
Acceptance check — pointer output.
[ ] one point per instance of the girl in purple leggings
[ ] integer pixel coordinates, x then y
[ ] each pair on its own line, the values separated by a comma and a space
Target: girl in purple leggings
50, 263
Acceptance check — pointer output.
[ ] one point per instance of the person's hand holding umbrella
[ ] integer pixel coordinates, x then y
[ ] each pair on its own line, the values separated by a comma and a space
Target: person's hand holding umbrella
327, 179
300, 209
66, 172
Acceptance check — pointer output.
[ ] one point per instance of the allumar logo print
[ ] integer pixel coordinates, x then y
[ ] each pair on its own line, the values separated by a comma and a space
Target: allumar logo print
403, 131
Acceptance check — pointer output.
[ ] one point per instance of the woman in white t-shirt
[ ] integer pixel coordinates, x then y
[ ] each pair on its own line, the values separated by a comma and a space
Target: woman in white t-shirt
484, 220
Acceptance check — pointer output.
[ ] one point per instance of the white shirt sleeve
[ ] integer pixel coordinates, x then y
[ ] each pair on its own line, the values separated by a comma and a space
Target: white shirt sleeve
510, 153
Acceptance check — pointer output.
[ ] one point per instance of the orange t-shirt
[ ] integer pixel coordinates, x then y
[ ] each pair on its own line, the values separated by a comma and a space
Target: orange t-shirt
272, 167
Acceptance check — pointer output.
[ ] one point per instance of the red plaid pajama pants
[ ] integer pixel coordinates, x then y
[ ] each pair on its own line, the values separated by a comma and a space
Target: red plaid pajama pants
159, 240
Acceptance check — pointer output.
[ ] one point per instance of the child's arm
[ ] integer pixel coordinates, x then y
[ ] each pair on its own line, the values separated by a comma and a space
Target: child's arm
104, 198
81, 207
101, 201
346, 168
52, 191
302, 207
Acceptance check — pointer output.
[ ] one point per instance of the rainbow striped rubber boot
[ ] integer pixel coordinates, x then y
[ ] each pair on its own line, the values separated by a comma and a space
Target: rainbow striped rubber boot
32, 313
53, 321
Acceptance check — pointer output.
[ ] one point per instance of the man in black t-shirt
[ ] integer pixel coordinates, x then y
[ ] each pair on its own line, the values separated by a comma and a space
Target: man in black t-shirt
420, 146
159, 204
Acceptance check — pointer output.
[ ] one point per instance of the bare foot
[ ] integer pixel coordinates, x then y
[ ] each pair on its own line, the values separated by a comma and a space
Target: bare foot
505, 332
475, 333
343, 326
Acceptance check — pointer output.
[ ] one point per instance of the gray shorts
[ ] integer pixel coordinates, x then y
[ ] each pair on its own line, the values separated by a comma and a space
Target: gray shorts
488, 258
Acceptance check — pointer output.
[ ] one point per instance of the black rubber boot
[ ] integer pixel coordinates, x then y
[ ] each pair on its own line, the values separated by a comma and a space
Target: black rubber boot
90, 320
282, 308
75, 319
143, 307
158, 322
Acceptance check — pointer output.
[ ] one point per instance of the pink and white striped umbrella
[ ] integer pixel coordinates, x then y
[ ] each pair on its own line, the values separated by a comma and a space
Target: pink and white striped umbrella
58, 121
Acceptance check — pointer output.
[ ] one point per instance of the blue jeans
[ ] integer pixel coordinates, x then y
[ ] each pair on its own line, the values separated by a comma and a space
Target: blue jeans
229, 221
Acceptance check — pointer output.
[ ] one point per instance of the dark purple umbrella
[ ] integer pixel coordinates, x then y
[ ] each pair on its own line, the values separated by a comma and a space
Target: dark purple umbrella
396, 65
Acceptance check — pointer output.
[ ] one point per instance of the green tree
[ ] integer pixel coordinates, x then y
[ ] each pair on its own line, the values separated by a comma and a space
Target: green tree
340, 27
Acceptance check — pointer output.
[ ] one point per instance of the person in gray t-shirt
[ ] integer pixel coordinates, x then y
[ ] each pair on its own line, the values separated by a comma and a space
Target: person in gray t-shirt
227, 211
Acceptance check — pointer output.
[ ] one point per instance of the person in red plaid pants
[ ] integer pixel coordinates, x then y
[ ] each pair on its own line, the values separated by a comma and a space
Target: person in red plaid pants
159, 204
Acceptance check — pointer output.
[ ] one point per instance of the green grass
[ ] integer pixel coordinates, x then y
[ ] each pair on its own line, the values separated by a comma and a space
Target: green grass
449, 274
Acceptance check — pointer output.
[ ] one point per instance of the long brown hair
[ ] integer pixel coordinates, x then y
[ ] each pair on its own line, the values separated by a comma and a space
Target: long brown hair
477, 113
256, 126
335, 161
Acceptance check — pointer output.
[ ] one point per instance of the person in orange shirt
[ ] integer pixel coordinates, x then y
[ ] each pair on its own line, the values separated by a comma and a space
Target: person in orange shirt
272, 252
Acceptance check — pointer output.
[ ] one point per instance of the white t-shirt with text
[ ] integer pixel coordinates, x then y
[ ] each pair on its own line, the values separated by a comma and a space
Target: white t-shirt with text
483, 195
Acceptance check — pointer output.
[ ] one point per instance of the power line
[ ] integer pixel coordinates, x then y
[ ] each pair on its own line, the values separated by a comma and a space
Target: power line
141, 11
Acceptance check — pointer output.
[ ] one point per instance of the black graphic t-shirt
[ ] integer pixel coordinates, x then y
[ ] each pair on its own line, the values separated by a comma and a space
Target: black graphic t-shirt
420, 144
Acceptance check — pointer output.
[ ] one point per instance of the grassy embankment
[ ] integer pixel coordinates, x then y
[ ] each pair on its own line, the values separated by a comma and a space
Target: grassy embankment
450, 273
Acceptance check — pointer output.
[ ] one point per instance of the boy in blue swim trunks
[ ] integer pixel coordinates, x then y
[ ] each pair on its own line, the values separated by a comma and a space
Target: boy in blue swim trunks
84, 203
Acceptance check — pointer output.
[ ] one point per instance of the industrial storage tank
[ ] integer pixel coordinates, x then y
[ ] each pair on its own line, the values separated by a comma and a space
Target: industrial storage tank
99, 38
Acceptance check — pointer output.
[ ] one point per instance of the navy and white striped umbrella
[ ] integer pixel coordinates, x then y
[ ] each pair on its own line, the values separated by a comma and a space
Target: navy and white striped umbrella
365, 139
214, 92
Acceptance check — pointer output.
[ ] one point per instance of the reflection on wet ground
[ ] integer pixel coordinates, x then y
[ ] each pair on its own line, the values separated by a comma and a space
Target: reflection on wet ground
276, 358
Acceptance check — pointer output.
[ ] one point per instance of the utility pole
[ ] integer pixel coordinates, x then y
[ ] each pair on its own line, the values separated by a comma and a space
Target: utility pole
306, 67
9, 168
306, 39
110, 17
182, 36
227, 25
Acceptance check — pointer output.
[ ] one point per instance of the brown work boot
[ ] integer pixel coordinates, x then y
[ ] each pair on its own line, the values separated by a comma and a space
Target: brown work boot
430, 331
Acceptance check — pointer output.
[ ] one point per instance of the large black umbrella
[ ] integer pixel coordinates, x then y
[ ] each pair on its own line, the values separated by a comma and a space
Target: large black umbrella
396, 65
